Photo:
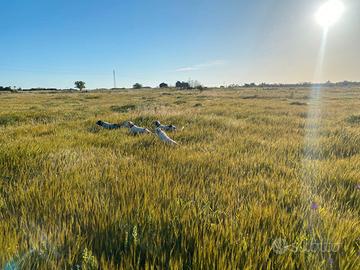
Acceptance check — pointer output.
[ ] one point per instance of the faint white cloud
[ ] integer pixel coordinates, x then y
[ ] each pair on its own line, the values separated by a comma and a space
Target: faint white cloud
202, 66
184, 69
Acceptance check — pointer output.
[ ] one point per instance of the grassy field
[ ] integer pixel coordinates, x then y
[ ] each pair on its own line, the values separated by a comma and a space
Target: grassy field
258, 182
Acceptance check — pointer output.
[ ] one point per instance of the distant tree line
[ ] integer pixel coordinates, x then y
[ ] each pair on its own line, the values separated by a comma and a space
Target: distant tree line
182, 85
179, 85
193, 84
287, 85
7, 88
43, 89
10, 89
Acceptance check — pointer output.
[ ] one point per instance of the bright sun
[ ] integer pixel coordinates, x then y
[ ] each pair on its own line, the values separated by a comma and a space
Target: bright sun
329, 13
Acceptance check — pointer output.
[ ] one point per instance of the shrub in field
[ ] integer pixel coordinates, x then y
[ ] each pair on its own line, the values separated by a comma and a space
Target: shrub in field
353, 119
124, 108
298, 103
250, 97
10, 119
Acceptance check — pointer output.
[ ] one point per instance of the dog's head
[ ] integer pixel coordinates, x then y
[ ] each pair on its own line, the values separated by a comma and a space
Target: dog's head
130, 124
157, 123
126, 124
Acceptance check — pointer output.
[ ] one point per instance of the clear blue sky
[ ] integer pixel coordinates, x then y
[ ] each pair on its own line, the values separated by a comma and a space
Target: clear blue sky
52, 43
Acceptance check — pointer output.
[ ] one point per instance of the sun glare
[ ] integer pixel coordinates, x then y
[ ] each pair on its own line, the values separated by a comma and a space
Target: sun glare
329, 13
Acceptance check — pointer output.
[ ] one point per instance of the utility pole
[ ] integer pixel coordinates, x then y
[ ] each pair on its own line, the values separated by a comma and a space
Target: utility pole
114, 75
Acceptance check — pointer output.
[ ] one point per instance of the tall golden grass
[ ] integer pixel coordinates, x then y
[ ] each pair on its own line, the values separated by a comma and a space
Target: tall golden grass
74, 196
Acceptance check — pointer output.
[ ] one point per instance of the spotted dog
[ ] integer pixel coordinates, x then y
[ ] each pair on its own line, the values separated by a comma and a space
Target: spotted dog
135, 130
107, 125
164, 137
164, 127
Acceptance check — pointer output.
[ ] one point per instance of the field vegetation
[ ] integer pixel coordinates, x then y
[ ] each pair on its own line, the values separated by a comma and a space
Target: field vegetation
256, 183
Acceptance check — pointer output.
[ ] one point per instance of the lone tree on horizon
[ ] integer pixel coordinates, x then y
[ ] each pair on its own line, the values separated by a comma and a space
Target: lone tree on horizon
80, 85
137, 86
164, 85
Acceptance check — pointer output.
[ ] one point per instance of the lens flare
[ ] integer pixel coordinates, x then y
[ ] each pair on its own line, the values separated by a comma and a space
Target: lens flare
329, 13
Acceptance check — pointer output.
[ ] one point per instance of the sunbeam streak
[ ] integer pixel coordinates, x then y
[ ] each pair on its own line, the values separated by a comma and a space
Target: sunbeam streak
312, 148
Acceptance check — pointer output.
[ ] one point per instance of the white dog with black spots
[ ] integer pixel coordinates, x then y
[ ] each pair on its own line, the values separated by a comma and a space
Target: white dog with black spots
164, 127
